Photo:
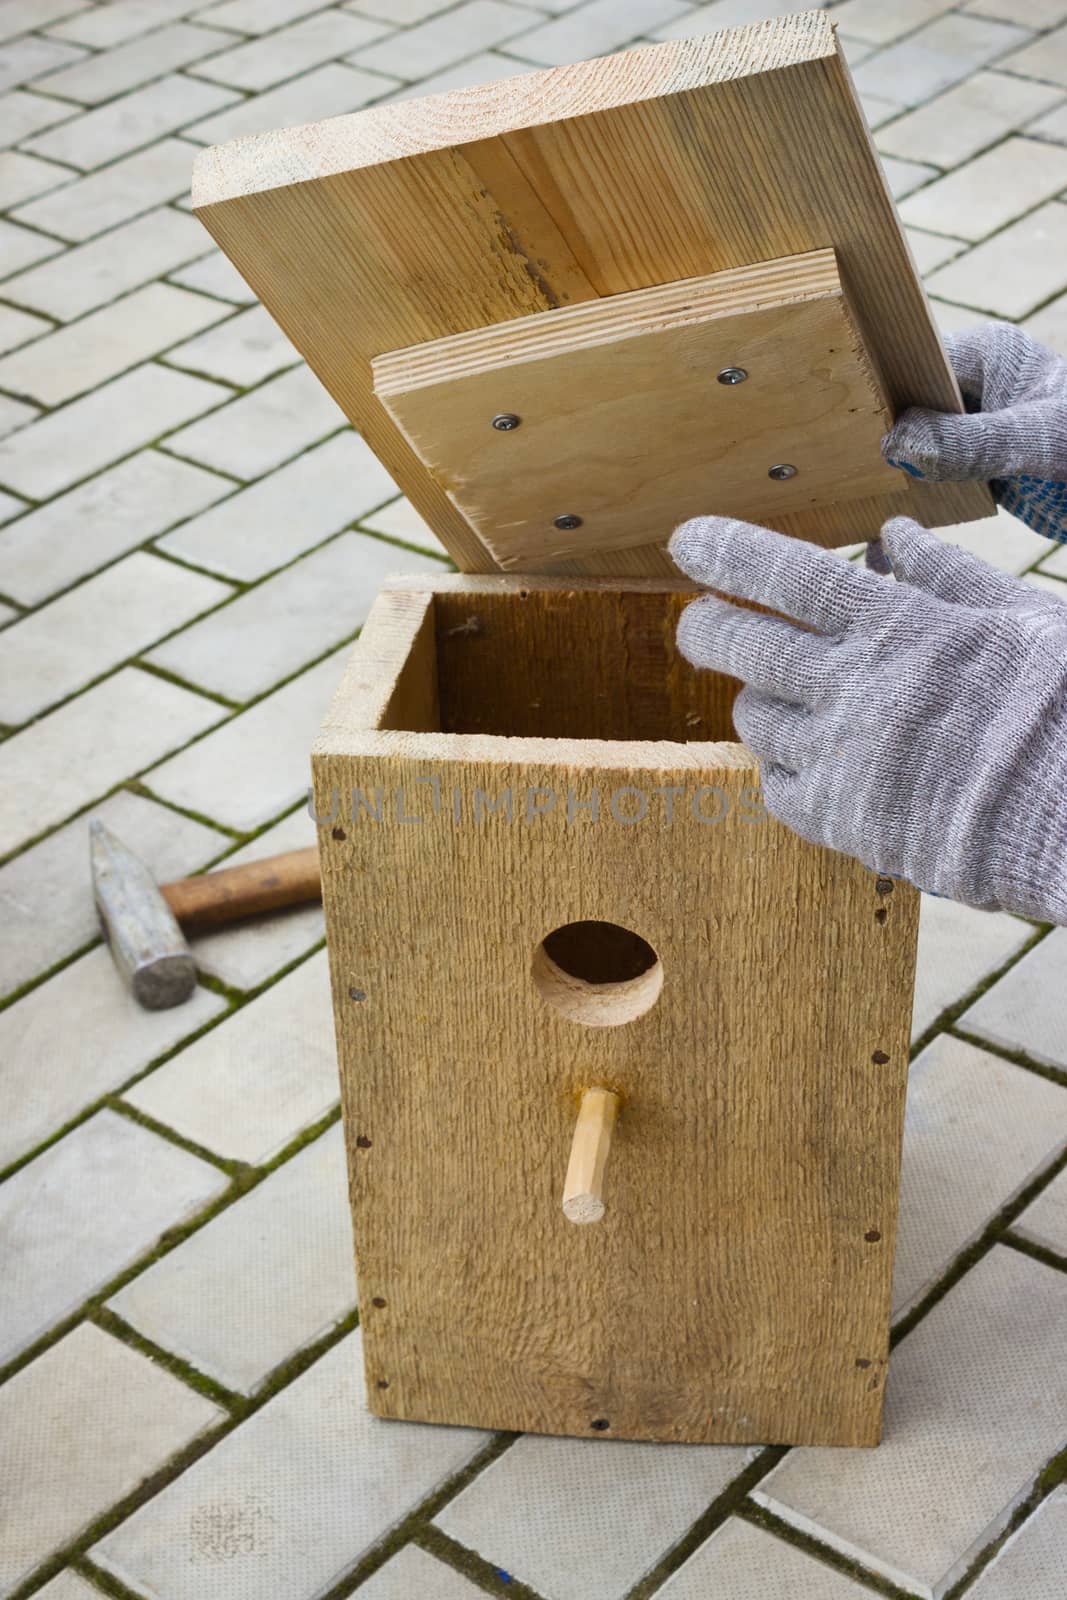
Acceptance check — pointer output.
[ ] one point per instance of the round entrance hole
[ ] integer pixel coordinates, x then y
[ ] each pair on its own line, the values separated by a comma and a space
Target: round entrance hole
597, 973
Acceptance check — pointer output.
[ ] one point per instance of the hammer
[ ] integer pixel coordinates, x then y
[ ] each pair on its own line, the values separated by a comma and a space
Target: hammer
143, 920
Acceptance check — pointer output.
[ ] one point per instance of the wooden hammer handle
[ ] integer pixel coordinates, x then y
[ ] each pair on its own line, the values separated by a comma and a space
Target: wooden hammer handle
235, 892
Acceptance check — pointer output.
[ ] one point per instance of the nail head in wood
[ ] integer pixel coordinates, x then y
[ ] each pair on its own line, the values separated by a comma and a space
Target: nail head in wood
732, 375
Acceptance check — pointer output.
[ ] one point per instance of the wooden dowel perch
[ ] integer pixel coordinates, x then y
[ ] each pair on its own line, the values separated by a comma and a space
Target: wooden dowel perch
583, 1189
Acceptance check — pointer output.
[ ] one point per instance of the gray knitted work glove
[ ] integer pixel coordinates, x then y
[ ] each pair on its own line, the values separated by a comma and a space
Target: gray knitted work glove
1014, 433
921, 729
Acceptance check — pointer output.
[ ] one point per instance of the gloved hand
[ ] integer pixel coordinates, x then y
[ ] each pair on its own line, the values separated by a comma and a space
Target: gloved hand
1014, 433
922, 729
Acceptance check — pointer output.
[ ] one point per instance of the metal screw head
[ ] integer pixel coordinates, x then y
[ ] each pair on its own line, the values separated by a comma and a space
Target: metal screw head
732, 375
568, 521
506, 422
782, 471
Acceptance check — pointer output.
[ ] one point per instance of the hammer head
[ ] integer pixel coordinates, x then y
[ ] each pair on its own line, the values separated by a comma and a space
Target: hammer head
147, 945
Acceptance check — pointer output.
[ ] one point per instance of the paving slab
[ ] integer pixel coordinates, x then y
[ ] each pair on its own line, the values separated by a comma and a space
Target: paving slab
87, 353
103, 518
216, 275
271, 631
269, 425
946, 50
974, 1410
251, 1085
16, 327
259, 64
326, 92
67, 445
741, 1562
87, 747
51, 1056
595, 29
1044, 1222
132, 1416
259, 16
399, 520
584, 1519
68, 1586
244, 350
84, 1210
102, 27
21, 247
245, 954
1015, 271
879, 23
116, 194
258, 765
267, 1276
46, 900
1023, 1010
1045, 58
488, 67
113, 72
967, 118
1031, 1564
51, 653
131, 121
22, 114
432, 45
66, 286
288, 512
992, 190
412, 1572
23, 60
958, 948
22, 176
290, 1501
961, 1100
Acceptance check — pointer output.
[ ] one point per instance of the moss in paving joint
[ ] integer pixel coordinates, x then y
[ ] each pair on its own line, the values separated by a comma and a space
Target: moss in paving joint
731, 1498
244, 1407
102, 1580
1037, 1252
994, 1232
486, 1575
760, 1517
418, 1520
945, 1019
178, 682
1052, 1475
71, 1553
109, 1322
1018, 1058
138, 787
112, 1101
49, 972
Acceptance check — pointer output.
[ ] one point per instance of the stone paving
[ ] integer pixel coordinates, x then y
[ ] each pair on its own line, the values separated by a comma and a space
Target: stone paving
181, 1409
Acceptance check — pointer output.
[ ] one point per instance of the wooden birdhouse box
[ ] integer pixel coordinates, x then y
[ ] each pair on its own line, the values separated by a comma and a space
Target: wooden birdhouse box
623, 1060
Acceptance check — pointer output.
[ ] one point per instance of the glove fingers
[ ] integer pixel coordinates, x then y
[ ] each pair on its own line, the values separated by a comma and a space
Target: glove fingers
786, 574
771, 654
919, 558
1027, 438
774, 730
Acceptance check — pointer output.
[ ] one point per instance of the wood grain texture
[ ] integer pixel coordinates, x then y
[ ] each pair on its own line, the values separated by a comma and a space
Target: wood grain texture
737, 1288
622, 419
420, 219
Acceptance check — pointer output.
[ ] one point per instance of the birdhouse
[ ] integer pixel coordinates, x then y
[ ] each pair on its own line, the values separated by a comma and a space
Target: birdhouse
623, 1060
